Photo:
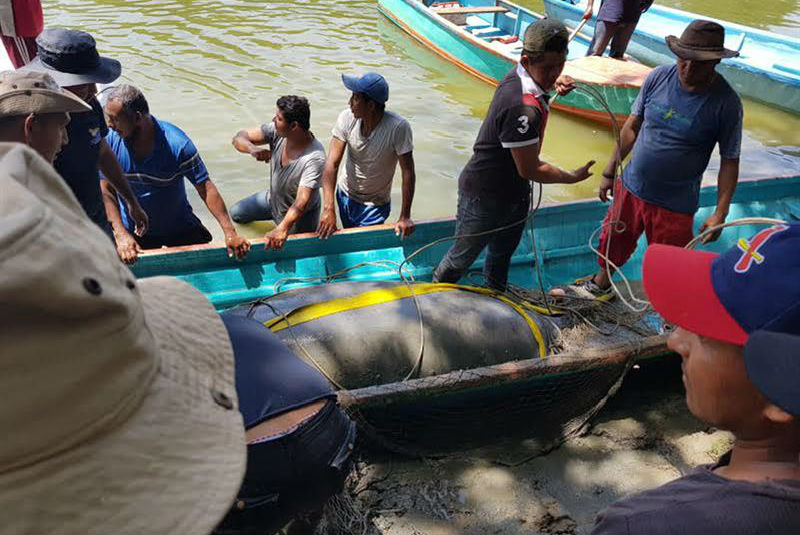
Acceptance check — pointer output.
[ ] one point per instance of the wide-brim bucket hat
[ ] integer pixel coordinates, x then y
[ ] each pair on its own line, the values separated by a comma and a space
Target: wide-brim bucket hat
23, 93
120, 411
71, 58
702, 40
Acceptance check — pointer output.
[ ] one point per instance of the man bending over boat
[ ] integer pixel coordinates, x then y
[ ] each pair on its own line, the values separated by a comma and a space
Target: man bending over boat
738, 321
616, 22
292, 200
681, 113
376, 141
494, 188
155, 157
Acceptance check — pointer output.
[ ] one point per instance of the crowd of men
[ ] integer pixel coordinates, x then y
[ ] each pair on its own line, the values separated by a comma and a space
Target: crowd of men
186, 393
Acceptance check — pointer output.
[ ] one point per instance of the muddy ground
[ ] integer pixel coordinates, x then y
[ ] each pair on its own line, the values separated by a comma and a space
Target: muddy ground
644, 437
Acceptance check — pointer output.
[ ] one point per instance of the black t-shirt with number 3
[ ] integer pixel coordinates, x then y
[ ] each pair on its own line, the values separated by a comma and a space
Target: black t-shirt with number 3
513, 120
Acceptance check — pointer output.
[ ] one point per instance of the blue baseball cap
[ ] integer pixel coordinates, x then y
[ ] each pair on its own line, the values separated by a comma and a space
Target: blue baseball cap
754, 285
371, 84
773, 364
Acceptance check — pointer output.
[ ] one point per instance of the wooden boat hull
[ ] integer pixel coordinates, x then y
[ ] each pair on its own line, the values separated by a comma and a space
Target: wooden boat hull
491, 64
766, 71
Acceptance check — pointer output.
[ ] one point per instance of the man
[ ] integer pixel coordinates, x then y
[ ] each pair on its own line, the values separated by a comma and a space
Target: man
71, 58
155, 157
718, 302
376, 141
120, 393
494, 187
35, 111
681, 113
297, 159
616, 22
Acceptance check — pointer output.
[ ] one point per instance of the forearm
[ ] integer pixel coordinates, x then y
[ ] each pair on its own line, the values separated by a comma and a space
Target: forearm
242, 143
627, 139
409, 185
112, 207
546, 173
727, 180
211, 196
329, 186
293, 215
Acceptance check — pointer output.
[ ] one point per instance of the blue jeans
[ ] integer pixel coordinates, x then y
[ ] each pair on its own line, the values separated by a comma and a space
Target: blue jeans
356, 214
256, 207
478, 214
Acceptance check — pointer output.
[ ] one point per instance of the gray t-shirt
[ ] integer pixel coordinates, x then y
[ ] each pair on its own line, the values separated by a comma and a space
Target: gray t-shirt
372, 160
305, 171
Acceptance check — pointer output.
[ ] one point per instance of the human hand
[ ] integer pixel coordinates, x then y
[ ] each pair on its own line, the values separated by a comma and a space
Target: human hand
260, 154
140, 219
606, 190
327, 224
581, 173
128, 248
404, 227
565, 84
237, 246
275, 239
712, 221
587, 14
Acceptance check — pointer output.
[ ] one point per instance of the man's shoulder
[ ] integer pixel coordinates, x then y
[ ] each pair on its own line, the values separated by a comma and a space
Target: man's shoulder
177, 141
395, 120
725, 91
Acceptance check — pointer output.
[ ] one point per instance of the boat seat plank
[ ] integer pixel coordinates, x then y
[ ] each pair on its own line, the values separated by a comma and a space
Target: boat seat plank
473, 9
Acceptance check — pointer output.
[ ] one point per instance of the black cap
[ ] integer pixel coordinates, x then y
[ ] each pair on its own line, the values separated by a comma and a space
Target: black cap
545, 35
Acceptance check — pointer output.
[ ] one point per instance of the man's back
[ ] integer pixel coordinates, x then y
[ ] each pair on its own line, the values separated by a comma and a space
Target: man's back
157, 179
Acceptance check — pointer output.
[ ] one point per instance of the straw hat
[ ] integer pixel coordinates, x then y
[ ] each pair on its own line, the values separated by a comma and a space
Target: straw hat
120, 412
23, 93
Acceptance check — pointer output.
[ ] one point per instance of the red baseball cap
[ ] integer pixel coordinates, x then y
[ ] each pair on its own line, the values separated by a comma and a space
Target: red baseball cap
754, 285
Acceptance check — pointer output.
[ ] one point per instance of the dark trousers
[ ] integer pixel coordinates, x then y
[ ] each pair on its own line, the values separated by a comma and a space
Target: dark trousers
476, 214
257, 207
292, 474
193, 236
617, 33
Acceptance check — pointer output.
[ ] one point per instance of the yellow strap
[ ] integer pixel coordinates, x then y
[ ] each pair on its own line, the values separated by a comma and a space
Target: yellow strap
385, 295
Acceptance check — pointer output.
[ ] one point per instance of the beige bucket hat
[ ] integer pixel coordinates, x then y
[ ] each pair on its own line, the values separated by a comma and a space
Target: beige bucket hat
23, 93
120, 411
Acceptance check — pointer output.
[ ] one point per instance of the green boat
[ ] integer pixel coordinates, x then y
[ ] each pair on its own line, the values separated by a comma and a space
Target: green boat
484, 38
546, 394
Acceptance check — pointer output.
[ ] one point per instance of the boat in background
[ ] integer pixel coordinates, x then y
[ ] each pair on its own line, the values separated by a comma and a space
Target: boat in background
484, 37
767, 68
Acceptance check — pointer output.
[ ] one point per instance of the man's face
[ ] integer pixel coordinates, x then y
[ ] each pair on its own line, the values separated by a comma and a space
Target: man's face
83, 91
282, 127
694, 73
125, 124
547, 69
47, 134
358, 105
718, 390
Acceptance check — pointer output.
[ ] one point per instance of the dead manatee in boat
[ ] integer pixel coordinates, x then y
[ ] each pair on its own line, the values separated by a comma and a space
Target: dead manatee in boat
368, 333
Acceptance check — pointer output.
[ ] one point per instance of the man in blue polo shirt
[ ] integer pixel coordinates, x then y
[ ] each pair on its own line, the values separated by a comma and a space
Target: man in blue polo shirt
155, 157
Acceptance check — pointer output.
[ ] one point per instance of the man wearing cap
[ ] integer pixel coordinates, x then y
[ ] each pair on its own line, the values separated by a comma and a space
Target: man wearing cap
376, 140
35, 111
682, 112
738, 317
495, 186
71, 58
616, 22
155, 157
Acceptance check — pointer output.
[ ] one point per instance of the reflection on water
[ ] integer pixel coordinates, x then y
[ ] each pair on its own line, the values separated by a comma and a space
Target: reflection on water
214, 67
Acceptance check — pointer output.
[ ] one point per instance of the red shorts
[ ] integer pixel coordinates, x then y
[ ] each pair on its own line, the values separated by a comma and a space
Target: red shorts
637, 216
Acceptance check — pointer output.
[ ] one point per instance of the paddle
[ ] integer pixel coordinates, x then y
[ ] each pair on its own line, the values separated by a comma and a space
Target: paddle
577, 30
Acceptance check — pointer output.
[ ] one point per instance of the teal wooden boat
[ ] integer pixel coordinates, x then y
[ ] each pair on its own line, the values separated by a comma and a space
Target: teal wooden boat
484, 37
543, 397
767, 69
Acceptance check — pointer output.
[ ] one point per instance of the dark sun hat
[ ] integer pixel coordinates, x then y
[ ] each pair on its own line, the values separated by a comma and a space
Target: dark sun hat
702, 40
71, 58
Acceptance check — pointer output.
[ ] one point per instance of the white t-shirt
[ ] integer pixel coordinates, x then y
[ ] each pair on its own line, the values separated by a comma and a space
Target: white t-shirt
372, 161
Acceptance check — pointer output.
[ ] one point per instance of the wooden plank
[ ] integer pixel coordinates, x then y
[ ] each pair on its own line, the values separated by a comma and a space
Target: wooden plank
463, 10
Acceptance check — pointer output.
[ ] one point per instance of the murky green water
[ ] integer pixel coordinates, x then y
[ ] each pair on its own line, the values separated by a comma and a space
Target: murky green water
213, 67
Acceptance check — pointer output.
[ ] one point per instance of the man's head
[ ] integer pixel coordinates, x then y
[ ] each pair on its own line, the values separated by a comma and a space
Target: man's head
292, 113
699, 49
716, 302
35, 111
370, 93
71, 58
126, 111
544, 51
